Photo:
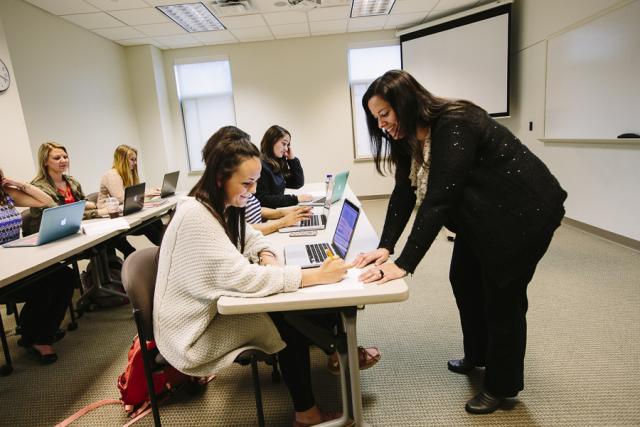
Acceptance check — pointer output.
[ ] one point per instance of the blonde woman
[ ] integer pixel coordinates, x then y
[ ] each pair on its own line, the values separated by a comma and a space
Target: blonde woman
124, 173
53, 179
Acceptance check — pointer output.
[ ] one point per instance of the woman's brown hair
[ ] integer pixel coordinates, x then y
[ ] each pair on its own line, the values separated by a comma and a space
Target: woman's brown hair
222, 154
43, 157
121, 165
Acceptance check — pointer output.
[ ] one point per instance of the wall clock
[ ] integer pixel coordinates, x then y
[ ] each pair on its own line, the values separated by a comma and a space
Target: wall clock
4, 77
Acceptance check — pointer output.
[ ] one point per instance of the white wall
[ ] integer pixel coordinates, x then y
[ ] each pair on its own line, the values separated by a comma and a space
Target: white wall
74, 88
16, 160
602, 181
301, 84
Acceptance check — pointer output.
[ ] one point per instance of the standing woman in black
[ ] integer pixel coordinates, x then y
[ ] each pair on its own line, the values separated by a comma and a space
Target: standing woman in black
280, 169
470, 174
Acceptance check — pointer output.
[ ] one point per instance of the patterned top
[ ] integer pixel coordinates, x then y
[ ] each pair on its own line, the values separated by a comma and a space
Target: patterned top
253, 210
10, 221
419, 173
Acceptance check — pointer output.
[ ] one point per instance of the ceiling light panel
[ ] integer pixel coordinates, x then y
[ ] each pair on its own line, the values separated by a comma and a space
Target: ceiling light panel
193, 17
371, 7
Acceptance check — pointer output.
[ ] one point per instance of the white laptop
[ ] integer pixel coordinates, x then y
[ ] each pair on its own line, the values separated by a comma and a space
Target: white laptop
315, 222
56, 223
339, 185
312, 255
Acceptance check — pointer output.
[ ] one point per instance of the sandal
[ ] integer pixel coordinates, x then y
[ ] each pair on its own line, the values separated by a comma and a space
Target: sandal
326, 416
367, 357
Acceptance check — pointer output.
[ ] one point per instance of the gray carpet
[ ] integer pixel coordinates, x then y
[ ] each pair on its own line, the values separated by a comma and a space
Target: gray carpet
582, 366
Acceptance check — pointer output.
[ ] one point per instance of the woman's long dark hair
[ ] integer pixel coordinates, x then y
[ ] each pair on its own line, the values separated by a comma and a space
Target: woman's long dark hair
414, 106
222, 155
3, 196
271, 136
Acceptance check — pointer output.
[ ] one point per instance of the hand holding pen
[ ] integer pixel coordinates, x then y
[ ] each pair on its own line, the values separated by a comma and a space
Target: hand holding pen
333, 269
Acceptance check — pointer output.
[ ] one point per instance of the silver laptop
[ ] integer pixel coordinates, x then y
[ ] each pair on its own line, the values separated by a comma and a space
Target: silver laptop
133, 198
315, 222
312, 255
339, 184
56, 223
169, 184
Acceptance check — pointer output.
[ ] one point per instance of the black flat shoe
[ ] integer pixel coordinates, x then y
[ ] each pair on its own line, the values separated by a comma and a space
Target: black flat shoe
460, 366
483, 403
45, 359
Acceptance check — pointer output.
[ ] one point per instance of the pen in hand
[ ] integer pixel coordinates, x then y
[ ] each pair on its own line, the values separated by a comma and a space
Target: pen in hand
329, 254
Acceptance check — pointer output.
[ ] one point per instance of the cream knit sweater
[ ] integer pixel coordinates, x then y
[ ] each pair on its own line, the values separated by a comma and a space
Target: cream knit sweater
198, 264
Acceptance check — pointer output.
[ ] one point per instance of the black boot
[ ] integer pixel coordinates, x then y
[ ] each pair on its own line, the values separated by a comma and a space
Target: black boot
483, 403
460, 366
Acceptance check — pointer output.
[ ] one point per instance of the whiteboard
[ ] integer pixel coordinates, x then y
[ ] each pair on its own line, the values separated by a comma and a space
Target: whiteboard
593, 78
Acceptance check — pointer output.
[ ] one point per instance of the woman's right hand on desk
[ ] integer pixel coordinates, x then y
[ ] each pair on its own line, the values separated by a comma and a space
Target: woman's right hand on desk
377, 257
332, 270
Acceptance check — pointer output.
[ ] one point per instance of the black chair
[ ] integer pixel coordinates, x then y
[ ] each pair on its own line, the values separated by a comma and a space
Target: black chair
139, 279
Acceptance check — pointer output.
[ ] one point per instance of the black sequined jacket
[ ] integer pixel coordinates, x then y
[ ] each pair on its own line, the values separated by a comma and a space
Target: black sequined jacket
270, 189
485, 185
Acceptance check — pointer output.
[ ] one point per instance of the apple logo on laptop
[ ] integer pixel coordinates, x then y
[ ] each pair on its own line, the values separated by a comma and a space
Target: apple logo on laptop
63, 222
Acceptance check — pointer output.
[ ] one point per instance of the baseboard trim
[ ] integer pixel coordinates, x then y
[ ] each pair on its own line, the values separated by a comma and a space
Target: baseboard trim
604, 234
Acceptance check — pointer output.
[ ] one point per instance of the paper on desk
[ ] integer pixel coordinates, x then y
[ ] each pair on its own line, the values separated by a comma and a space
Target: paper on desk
349, 283
99, 227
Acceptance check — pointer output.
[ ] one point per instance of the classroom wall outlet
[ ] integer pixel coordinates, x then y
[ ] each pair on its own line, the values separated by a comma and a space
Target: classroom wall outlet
530, 125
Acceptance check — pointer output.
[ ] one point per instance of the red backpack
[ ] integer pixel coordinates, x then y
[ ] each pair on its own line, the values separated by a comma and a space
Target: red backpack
132, 384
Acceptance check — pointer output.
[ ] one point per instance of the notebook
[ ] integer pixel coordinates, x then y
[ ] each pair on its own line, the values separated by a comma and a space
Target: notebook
315, 222
312, 255
56, 223
169, 184
133, 198
339, 184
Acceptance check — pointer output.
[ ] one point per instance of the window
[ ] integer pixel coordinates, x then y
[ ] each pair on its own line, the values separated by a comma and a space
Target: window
365, 65
206, 99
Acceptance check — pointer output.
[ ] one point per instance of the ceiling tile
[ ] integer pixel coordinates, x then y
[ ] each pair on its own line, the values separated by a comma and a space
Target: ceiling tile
215, 37
329, 13
120, 33
177, 41
455, 4
168, 29
246, 21
328, 27
168, 2
118, 4
142, 41
252, 34
368, 23
282, 18
290, 30
148, 15
64, 7
404, 20
410, 6
92, 21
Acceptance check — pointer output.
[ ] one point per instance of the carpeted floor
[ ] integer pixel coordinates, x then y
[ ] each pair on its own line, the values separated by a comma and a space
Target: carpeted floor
582, 366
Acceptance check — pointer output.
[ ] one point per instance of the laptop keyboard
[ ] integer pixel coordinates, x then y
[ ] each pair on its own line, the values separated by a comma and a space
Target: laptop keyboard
316, 252
313, 221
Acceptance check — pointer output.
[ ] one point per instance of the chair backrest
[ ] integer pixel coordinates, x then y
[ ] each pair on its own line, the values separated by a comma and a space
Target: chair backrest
139, 280
92, 197
27, 222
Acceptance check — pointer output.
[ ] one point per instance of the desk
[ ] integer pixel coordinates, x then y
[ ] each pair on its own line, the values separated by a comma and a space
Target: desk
20, 263
343, 302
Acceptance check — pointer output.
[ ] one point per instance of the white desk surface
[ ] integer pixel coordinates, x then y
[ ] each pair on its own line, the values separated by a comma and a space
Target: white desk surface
364, 239
17, 263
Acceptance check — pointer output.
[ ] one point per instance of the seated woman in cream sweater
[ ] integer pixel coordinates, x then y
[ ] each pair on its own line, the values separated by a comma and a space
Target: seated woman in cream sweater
208, 252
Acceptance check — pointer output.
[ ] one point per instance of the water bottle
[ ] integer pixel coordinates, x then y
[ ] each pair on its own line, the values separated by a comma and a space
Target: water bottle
328, 180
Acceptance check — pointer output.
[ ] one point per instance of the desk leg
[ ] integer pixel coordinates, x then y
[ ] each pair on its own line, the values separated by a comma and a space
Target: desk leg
348, 317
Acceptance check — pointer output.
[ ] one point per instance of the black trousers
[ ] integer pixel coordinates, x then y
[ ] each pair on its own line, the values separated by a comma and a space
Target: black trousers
493, 318
46, 302
295, 362
153, 232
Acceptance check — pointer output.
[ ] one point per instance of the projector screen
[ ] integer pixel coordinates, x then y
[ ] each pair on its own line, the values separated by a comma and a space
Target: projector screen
466, 58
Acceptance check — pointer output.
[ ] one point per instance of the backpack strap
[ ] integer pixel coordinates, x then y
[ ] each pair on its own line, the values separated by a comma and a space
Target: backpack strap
90, 407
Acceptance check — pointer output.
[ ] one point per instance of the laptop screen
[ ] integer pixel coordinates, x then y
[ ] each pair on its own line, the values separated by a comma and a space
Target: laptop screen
345, 228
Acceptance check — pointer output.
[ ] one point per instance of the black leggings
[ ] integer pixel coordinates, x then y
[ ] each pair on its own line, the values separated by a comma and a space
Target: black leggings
295, 362
153, 232
493, 318
46, 302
